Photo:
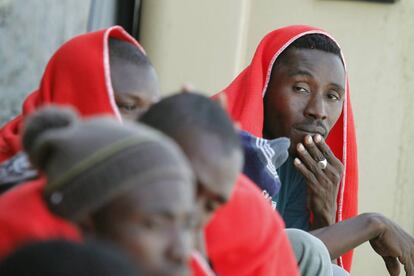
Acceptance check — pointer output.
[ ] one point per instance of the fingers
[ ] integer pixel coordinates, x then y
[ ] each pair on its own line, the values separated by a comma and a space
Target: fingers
307, 174
186, 88
327, 152
393, 266
313, 149
309, 161
409, 270
408, 265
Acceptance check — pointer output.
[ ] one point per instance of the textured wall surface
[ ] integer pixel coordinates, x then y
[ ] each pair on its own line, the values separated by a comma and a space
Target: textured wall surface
190, 41
30, 32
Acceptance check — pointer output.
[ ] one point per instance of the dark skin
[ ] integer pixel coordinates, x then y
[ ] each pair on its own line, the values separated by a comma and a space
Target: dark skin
387, 239
135, 87
216, 172
303, 102
304, 107
154, 223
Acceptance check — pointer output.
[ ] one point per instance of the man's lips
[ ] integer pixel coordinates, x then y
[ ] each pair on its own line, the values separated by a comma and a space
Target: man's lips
311, 130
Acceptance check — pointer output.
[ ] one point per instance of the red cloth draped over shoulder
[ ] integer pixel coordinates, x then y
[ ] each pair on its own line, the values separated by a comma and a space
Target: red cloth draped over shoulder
25, 218
247, 237
78, 75
245, 105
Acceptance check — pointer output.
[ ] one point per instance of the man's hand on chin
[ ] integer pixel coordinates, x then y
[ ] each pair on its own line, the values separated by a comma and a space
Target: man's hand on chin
323, 174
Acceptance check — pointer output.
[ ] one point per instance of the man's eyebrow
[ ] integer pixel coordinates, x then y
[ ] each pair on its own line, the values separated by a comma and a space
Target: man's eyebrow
166, 214
340, 88
300, 72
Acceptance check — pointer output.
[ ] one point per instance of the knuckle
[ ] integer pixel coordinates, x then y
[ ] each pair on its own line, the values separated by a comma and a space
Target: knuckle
312, 178
337, 178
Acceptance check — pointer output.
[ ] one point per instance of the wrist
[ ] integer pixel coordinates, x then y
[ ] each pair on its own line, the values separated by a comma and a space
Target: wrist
375, 224
321, 220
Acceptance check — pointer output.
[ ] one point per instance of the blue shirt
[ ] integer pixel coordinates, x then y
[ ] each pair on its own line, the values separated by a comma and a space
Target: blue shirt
291, 200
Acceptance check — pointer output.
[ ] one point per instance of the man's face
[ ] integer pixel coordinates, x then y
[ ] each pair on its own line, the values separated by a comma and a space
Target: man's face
305, 95
135, 87
155, 225
216, 171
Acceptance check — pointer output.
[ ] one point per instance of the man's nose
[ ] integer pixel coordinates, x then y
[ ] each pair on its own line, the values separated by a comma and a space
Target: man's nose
179, 250
316, 108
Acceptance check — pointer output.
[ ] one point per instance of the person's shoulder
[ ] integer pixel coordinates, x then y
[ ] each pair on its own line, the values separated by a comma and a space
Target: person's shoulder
25, 196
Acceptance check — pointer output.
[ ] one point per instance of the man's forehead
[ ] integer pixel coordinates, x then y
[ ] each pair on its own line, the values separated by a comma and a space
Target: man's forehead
308, 57
309, 61
162, 196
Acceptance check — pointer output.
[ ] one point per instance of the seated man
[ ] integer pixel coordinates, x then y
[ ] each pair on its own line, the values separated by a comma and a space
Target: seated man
104, 72
296, 87
125, 183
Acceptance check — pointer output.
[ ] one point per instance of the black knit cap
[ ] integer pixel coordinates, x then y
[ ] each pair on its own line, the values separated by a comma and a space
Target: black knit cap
90, 162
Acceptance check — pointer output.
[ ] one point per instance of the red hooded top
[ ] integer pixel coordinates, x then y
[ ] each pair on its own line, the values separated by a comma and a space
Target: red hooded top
247, 237
245, 105
78, 75
24, 217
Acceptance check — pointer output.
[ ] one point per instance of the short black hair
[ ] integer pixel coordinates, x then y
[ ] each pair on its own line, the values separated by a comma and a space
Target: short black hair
317, 42
314, 42
64, 258
185, 112
125, 51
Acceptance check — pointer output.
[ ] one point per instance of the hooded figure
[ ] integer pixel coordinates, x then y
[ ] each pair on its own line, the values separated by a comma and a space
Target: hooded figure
114, 182
245, 100
80, 75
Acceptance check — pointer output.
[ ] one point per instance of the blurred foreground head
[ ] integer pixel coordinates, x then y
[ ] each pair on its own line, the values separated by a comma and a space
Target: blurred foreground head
207, 136
126, 183
63, 258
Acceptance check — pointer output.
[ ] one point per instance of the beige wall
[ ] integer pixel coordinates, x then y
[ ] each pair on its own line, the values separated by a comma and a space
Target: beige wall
208, 42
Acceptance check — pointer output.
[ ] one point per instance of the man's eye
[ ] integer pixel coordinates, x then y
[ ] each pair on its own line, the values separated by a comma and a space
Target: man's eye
127, 107
153, 224
300, 89
334, 97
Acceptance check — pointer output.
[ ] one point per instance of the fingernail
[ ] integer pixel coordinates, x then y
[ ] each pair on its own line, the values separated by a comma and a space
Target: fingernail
296, 161
301, 147
318, 138
308, 139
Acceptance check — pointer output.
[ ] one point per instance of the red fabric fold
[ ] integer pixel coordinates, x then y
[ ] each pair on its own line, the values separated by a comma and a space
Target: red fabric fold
245, 105
247, 237
78, 75
25, 218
